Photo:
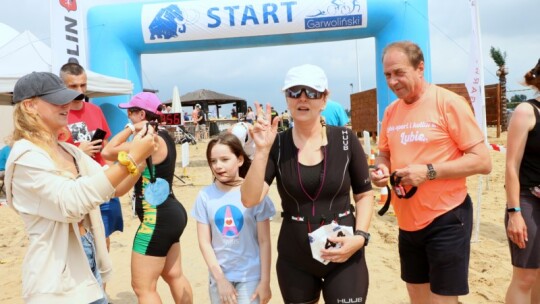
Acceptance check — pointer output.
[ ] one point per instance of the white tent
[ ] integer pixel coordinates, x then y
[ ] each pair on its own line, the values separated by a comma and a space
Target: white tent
26, 53
7, 33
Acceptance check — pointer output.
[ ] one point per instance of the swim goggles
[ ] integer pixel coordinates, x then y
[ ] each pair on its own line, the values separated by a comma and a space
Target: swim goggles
399, 189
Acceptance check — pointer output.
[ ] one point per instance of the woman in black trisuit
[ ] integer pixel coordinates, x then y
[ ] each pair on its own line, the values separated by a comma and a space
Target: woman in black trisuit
316, 166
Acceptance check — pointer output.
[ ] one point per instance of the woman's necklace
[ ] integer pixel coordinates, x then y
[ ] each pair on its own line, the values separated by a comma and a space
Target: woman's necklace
69, 163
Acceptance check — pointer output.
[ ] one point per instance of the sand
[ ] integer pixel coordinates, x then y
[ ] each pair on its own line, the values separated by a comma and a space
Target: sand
490, 269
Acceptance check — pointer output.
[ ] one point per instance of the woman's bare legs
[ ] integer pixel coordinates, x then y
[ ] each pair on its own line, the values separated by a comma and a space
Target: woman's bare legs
172, 274
146, 270
520, 289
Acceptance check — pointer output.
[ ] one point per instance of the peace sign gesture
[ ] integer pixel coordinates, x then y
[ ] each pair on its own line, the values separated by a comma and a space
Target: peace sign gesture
263, 130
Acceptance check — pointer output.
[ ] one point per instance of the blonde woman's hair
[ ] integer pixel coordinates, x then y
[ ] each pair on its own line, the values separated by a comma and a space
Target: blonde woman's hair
28, 125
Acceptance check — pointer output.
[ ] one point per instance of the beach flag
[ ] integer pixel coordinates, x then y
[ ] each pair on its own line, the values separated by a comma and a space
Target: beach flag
475, 79
475, 87
68, 32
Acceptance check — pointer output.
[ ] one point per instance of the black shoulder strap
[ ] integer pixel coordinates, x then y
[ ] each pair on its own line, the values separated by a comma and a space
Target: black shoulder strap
536, 104
386, 203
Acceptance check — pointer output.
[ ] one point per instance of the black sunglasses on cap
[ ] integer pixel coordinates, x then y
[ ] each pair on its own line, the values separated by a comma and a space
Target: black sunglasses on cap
133, 110
399, 189
296, 92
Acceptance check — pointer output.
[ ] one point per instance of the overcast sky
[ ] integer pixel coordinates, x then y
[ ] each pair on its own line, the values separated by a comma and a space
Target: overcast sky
508, 25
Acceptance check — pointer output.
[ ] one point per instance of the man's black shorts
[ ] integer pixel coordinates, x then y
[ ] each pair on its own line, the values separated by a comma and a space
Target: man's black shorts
439, 253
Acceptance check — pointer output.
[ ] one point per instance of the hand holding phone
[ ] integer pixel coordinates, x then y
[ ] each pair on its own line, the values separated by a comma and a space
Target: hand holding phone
98, 134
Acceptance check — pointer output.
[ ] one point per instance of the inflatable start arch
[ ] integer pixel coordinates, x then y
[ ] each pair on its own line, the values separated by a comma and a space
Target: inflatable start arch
118, 34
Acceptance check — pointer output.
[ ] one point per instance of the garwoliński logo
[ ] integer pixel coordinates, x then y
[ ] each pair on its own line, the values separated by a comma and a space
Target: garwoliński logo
338, 13
70, 5
167, 23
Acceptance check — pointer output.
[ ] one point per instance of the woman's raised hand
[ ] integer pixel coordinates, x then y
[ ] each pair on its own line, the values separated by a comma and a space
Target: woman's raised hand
140, 125
263, 130
144, 143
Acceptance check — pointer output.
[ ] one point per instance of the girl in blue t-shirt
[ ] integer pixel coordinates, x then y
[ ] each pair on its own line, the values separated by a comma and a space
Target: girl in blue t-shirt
234, 240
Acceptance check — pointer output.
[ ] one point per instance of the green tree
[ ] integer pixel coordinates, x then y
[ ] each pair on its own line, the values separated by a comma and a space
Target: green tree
500, 60
498, 57
518, 98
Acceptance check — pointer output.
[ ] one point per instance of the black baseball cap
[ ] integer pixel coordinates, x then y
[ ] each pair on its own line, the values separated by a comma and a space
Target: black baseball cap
46, 86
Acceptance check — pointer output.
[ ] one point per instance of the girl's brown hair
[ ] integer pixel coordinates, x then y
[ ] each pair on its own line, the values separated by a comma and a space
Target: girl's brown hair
231, 141
532, 77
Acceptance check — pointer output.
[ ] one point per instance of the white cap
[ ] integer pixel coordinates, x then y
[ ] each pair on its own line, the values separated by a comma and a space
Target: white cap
198, 105
307, 75
240, 130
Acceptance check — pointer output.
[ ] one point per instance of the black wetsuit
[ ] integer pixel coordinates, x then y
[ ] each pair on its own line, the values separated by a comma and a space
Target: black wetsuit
163, 225
343, 168
529, 169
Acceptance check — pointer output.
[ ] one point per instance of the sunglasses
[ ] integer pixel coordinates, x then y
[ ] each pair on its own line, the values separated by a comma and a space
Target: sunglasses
80, 97
399, 189
296, 92
133, 110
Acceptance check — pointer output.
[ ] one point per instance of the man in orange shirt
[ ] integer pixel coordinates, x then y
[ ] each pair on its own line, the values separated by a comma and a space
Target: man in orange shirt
429, 140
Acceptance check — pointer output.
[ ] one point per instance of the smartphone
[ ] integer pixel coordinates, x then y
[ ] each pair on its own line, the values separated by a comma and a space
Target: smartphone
98, 134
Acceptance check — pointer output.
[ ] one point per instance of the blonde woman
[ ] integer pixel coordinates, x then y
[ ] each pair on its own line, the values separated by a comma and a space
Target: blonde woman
57, 189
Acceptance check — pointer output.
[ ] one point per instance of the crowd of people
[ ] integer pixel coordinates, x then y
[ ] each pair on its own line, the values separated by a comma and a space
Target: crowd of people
64, 182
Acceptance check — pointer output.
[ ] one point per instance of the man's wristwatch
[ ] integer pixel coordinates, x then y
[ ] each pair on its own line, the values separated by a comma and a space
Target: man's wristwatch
431, 173
366, 236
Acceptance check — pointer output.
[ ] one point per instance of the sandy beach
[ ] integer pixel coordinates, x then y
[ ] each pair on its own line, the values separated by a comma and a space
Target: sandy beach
490, 269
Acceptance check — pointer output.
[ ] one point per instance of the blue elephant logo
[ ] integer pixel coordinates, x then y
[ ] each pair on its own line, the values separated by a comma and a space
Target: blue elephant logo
168, 23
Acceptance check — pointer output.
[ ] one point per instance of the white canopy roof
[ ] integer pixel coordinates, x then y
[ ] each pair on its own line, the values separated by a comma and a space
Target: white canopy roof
25, 53
7, 33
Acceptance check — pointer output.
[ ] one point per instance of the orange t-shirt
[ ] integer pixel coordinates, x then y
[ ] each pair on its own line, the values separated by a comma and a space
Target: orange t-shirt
435, 129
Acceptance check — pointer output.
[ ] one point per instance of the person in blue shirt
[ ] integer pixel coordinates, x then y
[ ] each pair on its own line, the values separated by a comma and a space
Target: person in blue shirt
4, 153
334, 114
